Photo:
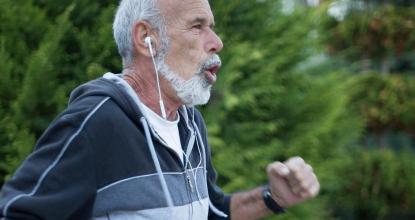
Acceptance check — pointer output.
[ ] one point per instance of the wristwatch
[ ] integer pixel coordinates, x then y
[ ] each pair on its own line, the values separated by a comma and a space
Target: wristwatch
270, 202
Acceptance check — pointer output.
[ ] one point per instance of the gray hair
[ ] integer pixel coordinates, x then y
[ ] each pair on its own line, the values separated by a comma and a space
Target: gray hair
129, 12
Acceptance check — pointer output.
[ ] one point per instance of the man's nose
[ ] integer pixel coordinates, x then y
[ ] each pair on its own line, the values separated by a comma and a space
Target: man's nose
214, 43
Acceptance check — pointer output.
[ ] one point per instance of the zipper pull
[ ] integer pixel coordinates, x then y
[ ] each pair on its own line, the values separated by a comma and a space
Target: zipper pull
189, 181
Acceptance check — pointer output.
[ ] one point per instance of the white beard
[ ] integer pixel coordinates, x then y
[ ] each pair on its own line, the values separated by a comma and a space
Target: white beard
196, 90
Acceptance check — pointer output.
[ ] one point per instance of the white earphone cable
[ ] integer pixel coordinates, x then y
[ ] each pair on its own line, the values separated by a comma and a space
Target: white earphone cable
150, 48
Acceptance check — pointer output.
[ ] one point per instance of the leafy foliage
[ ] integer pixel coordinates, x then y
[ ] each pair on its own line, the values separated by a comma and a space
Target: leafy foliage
366, 37
387, 101
377, 186
55, 51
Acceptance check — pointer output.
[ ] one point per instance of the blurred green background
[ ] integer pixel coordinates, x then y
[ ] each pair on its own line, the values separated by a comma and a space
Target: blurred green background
330, 81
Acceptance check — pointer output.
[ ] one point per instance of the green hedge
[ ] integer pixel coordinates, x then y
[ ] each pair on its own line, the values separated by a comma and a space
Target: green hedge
376, 185
386, 101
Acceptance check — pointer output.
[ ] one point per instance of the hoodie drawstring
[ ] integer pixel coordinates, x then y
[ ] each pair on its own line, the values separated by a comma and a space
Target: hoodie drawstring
156, 162
211, 206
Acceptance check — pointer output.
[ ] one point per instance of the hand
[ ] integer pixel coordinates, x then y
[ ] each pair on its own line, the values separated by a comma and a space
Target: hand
292, 182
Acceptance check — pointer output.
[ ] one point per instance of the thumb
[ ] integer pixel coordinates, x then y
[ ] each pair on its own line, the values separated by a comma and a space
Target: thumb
278, 168
280, 189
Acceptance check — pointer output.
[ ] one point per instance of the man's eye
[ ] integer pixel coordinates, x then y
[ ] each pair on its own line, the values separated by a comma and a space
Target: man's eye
197, 26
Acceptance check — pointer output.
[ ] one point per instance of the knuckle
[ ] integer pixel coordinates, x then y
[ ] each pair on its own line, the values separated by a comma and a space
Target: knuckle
295, 160
315, 190
289, 162
298, 175
299, 160
313, 193
316, 180
309, 167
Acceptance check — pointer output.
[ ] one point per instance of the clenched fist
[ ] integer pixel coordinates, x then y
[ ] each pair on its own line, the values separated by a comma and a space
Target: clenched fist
292, 182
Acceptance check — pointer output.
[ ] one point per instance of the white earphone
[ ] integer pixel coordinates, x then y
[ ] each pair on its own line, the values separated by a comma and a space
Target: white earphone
147, 40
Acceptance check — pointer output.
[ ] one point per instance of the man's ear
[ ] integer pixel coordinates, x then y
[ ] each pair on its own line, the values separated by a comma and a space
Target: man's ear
140, 31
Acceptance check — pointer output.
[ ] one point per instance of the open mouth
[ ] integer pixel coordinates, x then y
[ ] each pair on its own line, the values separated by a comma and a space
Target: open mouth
210, 73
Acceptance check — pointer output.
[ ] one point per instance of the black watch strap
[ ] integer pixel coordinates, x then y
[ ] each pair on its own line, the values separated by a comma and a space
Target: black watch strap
270, 202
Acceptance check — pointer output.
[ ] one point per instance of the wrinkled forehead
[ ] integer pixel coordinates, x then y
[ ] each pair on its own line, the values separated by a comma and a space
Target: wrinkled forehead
185, 10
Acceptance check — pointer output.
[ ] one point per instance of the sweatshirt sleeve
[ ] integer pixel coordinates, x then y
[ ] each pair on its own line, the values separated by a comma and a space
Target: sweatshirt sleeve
217, 197
57, 181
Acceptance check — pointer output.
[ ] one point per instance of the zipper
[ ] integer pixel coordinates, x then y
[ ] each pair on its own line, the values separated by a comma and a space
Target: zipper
183, 164
189, 181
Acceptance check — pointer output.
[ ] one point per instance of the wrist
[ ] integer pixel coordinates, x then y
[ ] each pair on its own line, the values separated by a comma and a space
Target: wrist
270, 202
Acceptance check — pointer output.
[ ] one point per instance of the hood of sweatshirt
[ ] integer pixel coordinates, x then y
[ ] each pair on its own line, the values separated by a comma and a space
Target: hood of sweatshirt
106, 87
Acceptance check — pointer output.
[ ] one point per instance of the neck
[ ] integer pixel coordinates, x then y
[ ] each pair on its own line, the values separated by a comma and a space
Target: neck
144, 84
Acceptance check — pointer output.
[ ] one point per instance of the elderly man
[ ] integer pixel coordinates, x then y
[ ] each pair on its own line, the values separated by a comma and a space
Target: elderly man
132, 146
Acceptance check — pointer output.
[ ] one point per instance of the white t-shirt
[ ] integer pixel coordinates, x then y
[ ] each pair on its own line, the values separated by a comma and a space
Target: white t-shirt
167, 130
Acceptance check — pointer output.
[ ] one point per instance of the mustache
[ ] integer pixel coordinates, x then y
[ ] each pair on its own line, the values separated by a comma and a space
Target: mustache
212, 61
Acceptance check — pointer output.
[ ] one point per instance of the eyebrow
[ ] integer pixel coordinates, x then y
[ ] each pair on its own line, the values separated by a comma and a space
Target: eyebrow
203, 21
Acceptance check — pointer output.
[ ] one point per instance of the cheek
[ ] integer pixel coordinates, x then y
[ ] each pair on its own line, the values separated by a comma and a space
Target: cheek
189, 50
185, 57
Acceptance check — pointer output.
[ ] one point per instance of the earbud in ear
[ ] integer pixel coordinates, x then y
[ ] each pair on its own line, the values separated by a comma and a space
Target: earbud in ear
148, 41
